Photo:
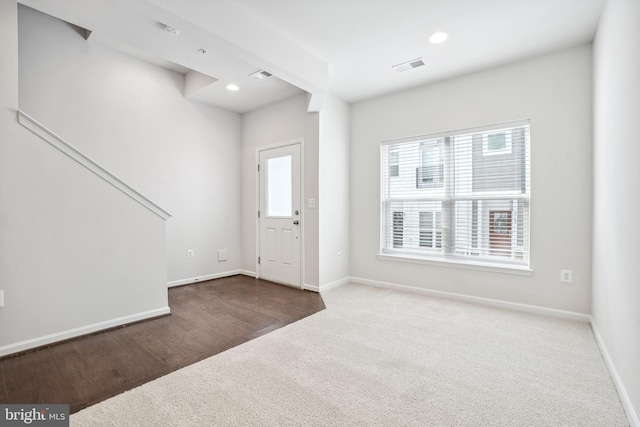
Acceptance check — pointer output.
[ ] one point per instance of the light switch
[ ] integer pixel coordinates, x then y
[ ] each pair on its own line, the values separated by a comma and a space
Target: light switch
311, 203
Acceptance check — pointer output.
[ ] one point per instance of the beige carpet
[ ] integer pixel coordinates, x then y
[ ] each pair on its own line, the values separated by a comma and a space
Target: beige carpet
376, 357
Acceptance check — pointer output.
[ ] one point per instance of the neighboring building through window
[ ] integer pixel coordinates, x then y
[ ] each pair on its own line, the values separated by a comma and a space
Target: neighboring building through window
469, 200
430, 173
398, 229
496, 143
430, 230
394, 164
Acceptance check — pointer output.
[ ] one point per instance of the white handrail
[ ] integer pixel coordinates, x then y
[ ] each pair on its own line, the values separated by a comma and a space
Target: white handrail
68, 149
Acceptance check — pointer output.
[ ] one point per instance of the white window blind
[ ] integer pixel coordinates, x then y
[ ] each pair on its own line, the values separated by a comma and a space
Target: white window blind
461, 195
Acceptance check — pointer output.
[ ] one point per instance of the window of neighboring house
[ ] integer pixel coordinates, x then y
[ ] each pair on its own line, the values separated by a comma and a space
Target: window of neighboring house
465, 205
430, 230
394, 164
398, 229
496, 143
430, 172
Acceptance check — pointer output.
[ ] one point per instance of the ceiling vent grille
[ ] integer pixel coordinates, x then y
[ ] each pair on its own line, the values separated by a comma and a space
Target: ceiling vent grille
261, 75
409, 65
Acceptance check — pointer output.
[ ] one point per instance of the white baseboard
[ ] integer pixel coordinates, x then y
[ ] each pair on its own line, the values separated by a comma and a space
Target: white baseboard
203, 278
313, 288
84, 330
334, 284
249, 273
632, 415
326, 286
477, 300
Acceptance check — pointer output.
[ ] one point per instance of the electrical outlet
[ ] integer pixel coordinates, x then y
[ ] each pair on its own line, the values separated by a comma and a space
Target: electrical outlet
190, 253
311, 203
339, 256
1, 299
222, 255
566, 276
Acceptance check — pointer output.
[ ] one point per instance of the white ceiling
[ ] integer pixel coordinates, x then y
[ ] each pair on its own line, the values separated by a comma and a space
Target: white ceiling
346, 47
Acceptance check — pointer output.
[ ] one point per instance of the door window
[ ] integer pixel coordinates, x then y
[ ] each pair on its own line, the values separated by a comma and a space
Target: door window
279, 185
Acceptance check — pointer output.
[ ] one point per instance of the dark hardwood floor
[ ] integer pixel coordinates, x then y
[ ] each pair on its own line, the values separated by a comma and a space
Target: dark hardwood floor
206, 318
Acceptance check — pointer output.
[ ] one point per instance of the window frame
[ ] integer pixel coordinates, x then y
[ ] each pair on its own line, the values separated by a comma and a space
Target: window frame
519, 260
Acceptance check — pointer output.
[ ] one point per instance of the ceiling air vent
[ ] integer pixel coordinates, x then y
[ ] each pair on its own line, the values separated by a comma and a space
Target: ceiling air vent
409, 65
261, 75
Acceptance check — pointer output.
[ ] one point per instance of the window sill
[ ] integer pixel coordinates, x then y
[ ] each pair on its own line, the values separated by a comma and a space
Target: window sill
466, 265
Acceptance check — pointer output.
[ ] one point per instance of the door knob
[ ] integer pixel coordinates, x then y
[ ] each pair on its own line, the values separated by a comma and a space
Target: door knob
296, 222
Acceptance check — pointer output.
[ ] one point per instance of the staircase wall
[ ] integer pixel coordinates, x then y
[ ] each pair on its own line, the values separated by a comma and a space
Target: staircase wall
76, 254
131, 117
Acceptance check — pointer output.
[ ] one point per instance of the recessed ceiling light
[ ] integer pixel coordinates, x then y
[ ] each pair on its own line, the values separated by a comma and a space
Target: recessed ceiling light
232, 87
438, 37
172, 31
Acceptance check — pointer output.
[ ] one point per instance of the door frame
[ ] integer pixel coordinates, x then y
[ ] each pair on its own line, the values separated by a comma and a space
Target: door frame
300, 143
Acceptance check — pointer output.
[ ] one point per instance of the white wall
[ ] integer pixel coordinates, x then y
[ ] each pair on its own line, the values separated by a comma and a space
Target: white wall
616, 204
280, 122
554, 91
75, 253
131, 117
334, 190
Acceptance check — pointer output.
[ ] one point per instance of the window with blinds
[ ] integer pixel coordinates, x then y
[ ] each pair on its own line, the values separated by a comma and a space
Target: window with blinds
460, 195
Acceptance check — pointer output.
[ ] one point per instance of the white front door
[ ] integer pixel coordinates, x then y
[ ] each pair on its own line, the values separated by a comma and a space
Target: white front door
280, 215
